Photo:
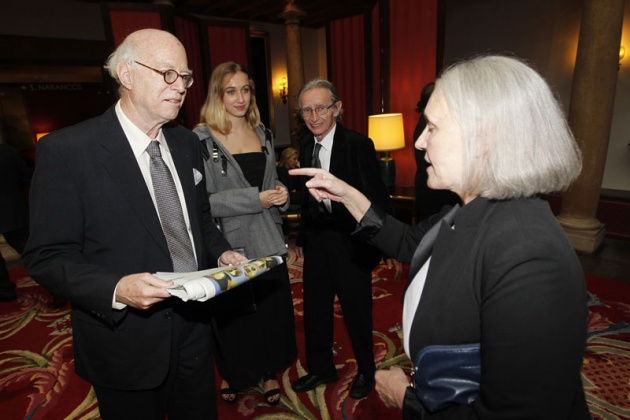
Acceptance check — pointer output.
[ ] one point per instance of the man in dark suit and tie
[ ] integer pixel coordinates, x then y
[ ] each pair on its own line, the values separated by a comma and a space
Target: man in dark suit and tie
335, 263
114, 199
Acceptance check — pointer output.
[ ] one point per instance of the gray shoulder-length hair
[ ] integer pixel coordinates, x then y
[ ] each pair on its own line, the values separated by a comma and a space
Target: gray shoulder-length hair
517, 142
320, 83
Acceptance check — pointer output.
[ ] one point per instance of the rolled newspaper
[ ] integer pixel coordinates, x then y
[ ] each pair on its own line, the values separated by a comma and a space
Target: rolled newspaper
206, 284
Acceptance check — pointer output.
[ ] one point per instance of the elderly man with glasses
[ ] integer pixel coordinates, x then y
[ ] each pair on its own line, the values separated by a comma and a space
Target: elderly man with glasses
113, 200
334, 262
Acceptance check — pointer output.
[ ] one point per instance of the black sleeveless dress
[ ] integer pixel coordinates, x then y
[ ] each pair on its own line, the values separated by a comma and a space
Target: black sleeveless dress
254, 323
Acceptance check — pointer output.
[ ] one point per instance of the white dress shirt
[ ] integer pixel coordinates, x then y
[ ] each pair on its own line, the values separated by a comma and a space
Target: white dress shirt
324, 157
139, 142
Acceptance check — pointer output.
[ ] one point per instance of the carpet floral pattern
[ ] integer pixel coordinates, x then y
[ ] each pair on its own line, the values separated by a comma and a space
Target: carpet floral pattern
37, 379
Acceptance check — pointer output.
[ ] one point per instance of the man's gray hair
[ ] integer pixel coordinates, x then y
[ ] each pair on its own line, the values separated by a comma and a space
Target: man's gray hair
324, 84
125, 53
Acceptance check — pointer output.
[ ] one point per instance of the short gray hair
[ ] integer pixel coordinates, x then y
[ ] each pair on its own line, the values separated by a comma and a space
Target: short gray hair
324, 84
517, 142
127, 52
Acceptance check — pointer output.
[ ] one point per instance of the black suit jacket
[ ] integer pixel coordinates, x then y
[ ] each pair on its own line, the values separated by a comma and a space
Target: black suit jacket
15, 176
353, 160
505, 276
93, 222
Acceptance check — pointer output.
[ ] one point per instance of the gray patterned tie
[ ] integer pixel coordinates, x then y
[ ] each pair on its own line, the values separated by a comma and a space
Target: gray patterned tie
171, 214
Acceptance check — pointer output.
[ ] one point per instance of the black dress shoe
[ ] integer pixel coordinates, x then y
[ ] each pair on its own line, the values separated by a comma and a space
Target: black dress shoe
309, 382
361, 386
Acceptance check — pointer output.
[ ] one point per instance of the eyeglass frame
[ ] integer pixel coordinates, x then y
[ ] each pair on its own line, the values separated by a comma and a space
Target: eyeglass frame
324, 110
185, 77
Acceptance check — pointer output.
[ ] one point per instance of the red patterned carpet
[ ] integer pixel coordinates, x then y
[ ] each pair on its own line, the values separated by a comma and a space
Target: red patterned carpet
37, 379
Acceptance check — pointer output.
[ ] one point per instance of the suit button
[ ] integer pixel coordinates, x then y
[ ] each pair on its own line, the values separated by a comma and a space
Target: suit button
168, 315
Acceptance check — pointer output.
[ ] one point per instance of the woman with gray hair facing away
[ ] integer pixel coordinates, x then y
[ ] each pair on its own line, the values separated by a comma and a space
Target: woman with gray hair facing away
499, 271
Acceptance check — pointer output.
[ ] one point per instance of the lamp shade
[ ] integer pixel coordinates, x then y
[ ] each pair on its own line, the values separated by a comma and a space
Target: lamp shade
386, 131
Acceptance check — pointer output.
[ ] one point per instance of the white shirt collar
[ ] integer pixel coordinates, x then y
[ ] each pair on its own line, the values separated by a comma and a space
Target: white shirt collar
138, 140
327, 142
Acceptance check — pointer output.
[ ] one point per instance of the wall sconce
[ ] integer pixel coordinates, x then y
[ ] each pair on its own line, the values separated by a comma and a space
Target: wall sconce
388, 133
622, 54
283, 90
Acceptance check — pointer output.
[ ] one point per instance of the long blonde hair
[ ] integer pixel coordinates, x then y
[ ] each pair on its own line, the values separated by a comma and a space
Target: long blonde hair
286, 154
213, 110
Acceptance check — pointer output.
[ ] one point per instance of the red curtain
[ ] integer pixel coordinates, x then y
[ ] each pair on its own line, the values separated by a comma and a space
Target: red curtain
412, 43
347, 66
412, 32
124, 22
376, 63
188, 33
228, 43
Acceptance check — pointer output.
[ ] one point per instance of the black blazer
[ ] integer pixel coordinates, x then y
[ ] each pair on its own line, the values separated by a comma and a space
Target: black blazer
93, 222
15, 177
505, 276
353, 160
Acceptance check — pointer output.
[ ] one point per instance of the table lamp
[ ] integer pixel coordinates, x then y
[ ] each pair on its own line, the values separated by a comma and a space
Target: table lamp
387, 133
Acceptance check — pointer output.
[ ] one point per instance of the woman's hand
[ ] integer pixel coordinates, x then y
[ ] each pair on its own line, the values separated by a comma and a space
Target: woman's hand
396, 265
275, 197
279, 196
325, 185
391, 385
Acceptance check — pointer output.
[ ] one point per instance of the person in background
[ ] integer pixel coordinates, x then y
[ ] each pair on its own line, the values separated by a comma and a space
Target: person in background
105, 199
290, 159
501, 271
334, 262
254, 323
15, 176
428, 200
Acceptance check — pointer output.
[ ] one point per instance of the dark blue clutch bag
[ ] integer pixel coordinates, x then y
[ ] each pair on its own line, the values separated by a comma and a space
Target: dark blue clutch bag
447, 375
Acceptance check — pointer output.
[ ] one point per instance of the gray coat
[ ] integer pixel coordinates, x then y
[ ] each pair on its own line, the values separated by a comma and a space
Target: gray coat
244, 222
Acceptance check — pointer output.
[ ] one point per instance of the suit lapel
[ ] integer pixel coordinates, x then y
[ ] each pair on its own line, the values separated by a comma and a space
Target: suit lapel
425, 247
183, 165
308, 151
338, 153
119, 161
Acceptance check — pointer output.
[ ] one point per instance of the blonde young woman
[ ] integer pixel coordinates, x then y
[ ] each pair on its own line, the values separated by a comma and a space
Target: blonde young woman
254, 323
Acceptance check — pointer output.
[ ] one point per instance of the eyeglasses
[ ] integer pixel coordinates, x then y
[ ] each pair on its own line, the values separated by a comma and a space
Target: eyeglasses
170, 75
320, 110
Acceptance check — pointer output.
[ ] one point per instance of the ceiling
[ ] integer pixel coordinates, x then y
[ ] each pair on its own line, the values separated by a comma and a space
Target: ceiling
317, 12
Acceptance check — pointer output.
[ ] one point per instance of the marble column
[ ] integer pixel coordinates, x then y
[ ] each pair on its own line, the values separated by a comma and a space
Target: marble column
295, 65
590, 117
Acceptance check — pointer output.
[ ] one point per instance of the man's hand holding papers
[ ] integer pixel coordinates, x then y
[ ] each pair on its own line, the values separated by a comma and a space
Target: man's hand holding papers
206, 284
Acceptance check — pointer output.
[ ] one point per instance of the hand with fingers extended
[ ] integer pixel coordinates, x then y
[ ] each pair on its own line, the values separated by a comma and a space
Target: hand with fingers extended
324, 185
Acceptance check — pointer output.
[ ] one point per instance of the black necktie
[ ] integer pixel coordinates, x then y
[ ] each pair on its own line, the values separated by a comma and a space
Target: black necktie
422, 253
318, 164
170, 210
